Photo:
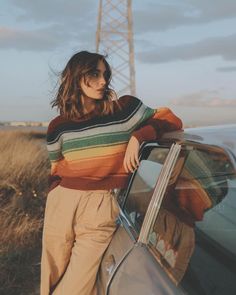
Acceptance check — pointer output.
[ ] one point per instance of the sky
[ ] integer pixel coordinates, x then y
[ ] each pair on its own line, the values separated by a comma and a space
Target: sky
185, 55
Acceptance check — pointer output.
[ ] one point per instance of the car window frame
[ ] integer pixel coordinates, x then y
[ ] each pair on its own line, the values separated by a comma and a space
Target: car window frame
124, 219
159, 192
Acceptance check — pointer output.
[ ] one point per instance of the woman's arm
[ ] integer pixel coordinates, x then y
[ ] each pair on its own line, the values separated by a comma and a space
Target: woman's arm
163, 120
54, 145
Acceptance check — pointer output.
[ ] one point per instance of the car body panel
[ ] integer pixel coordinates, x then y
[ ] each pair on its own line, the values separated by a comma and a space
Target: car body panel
121, 244
139, 274
222, 135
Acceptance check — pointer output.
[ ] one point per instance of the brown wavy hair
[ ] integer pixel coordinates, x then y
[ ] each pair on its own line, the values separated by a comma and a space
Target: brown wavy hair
68, 99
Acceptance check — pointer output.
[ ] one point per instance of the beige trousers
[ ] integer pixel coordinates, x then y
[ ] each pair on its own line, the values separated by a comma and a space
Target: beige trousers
78, 227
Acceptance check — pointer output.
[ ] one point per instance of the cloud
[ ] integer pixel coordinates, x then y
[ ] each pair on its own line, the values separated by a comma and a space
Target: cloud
155, 15
227, 69
39, 39
53, 11
163, 15
53, 24
76, 20
218, 46
203, 99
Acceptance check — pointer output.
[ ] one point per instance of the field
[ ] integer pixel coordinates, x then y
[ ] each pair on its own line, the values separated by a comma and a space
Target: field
24, 169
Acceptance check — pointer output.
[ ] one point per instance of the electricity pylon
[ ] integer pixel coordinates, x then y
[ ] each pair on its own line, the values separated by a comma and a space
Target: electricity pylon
114, 38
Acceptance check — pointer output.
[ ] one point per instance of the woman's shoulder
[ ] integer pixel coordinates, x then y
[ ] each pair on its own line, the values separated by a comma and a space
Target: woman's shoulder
129, 100
55, 122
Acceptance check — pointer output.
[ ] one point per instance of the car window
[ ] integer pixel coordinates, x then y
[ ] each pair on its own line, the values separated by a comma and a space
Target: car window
143, 185
194, 234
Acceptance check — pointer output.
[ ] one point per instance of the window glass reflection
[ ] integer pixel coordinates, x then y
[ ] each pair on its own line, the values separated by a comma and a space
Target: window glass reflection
197, 222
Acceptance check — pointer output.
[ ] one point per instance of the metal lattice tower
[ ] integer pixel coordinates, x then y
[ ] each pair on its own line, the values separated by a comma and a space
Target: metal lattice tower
115, 38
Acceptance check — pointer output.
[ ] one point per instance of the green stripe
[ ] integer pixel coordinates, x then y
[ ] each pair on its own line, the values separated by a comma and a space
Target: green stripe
100, 140
54, 155
148, 114
94, 147
95, 141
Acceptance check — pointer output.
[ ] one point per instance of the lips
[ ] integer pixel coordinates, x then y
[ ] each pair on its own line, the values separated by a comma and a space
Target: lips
101, 90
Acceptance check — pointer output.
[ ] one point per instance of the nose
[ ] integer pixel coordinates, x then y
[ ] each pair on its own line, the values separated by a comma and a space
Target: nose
102, 81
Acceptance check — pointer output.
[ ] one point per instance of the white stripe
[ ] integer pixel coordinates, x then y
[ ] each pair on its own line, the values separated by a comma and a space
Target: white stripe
119, 127
55, 147
102, 128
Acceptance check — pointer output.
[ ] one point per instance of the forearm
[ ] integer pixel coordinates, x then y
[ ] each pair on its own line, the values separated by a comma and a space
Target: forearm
164, 120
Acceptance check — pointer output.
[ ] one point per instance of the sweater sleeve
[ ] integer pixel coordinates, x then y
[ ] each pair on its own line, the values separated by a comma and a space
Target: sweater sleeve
54, 147
163, 120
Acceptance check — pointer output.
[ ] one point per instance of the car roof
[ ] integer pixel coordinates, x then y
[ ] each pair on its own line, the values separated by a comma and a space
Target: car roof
220, 135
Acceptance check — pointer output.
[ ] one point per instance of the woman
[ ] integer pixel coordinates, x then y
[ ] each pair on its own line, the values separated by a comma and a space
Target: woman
93, 147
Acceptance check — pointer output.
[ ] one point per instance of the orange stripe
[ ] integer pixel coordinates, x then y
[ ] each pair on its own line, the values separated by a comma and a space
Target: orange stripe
99, 167
95, 152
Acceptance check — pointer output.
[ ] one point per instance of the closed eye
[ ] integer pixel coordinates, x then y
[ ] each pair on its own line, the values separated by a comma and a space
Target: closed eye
94, 74
97, 73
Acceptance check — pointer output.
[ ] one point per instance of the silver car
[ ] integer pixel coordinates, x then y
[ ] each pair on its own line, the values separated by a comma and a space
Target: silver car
176, 233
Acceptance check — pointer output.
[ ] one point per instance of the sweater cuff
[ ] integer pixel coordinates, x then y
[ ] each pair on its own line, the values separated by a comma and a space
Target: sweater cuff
145, 133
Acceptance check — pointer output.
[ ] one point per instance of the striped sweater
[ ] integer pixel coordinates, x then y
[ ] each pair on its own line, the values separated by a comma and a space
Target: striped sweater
87, 154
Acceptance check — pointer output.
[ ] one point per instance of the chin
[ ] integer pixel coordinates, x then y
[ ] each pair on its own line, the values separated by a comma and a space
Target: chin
100, 96
95, 97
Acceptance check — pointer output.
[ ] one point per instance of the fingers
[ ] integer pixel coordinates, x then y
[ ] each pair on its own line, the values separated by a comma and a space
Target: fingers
136, 159
131, 160
130, 164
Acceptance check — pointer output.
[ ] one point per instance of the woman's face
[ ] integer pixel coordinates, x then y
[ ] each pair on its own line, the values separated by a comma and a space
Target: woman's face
93, 85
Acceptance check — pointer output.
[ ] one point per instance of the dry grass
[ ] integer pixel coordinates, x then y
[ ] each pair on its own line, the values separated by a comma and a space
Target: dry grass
24, 167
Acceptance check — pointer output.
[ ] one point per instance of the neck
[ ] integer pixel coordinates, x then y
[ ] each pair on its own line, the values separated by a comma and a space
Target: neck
90, 104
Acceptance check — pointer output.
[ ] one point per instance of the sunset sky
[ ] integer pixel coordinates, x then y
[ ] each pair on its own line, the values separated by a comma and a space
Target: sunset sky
185, 55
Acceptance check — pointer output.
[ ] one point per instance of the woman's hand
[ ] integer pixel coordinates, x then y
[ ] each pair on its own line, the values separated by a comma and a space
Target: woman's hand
131, 160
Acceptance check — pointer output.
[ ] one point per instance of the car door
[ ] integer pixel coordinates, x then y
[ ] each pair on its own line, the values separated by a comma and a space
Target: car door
193, 235
127, 266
